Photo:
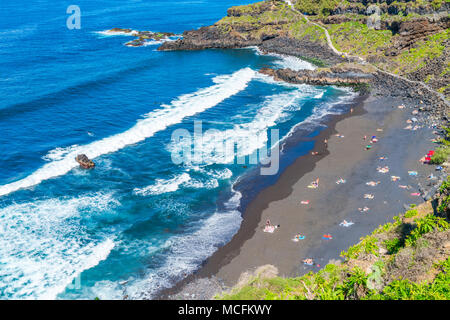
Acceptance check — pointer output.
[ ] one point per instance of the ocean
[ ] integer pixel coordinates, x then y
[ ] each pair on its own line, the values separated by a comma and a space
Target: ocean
139, 222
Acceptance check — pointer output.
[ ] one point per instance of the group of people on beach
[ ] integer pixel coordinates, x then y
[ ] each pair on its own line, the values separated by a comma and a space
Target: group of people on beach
381, 169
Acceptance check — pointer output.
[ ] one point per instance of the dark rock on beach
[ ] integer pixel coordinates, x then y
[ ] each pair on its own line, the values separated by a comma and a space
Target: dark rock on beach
84, 161
142, 36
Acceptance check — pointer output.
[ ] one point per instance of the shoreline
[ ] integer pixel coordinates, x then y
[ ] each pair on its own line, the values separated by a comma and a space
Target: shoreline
251, 208
250, 248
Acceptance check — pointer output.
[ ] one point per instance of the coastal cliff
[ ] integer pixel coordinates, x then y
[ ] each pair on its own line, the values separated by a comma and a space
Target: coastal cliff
408, 39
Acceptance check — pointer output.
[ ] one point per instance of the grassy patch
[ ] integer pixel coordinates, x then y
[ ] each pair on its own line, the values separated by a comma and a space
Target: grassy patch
357, 39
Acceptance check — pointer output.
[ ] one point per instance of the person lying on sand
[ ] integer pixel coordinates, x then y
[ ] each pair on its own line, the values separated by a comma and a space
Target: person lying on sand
304, 202
327, 237
404, 187
383, 169
365, 209
383, 158
269, 227
368, 196
314, 184
298, 237
415, 194
308, 262
395, 178
346, 223
341, 181
372, 183
314, 153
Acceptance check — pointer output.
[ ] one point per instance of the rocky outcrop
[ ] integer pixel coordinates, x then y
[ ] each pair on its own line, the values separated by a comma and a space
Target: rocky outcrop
84, 161
142, 36
385, 84
209, 37
332, 76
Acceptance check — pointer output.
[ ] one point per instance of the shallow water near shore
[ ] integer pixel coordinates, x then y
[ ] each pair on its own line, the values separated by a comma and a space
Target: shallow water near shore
137, 222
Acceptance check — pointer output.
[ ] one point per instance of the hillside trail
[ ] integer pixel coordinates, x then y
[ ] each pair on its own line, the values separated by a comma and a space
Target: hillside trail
362, 60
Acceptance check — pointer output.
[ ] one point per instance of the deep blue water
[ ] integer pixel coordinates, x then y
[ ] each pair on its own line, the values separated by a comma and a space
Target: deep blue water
138, 221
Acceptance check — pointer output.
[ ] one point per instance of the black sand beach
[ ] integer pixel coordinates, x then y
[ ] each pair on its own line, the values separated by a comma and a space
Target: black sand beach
344, 157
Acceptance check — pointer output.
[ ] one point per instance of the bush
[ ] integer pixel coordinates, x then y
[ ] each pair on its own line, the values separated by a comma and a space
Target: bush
440, 155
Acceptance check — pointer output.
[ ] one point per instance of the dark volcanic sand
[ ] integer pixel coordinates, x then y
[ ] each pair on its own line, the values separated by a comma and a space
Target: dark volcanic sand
329, 204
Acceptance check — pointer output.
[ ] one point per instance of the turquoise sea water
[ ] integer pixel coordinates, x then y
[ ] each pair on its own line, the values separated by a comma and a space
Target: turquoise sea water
137, 222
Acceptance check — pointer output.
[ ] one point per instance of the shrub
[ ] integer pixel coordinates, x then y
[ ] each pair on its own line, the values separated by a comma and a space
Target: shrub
440, 155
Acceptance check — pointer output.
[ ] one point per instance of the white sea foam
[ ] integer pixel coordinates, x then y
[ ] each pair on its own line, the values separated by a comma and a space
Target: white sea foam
186, 252
44, 246
286, 61
218, 146
184, 106
184, 180
322, 110
292, 62
163, 186
319, 96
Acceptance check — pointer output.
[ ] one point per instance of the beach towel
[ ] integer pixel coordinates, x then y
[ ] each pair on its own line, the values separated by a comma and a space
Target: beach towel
327, 237
305, 202
403, 186
395, 178
372, 183
439, 168
408, 127
312, 186
416, 194
368, 196
380, 130
308, 263
401, 107
341, 181
412, 173
346, 223
383, 170
365, 209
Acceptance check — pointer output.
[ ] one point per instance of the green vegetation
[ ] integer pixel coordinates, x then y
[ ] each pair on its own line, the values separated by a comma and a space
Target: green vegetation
415, 58
357, 39
377, 268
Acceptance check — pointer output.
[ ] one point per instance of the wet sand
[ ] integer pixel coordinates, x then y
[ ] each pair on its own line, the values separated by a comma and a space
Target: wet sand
344, 157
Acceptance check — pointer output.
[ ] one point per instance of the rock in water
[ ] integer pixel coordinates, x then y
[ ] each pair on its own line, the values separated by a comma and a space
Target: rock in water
84, 161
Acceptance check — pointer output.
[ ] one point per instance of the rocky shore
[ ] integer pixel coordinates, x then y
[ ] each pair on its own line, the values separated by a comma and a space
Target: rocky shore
244, 27
142, 36
333, 76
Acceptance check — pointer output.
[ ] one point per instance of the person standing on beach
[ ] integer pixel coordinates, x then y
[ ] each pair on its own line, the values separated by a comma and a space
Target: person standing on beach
325, 141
